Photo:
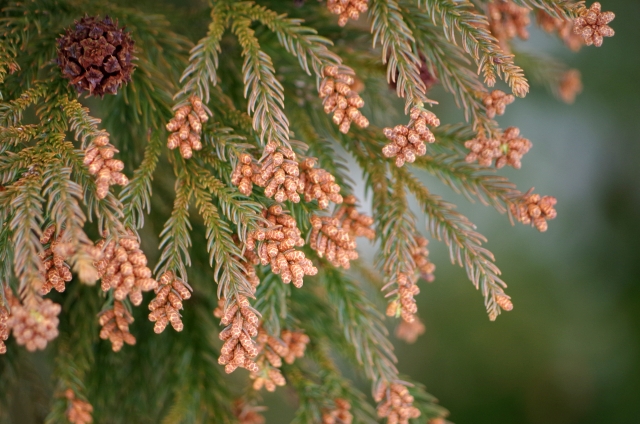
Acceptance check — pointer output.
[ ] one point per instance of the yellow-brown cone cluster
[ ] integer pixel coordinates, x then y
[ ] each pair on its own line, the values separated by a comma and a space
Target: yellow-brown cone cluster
508, 20
408, 141
123, 267
507, 150
78, 411
99, 159
410, 331
403, 303
247, 413
593, 25
496, 102
535, 210
570, 86
341, 414
279, 174
272, 350
395, 403
57, 271
115, 326
239, 349
33, 323
338, 96
242, 175
329, 239
186, 127
166, 306
319, 184
4, 328
352, 221
420, 256
347, 9
564, 28
277, 247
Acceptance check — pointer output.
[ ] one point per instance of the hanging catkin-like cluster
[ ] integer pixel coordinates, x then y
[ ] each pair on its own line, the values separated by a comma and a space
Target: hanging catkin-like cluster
115, 326
4, 328
34, 322
420, 256
340, 98
535, 210
319, 184
341, 414
496, 102
239, 349
330, 240
508, 20
57, 271
593, 25
277, 247
352, 221
166, 306
96, 56
78, 411
242, 175
564, 28
395, 403
347, 9
506, 150
272, 350
408, 141
403, 303
99, 158
124, 269
186, 127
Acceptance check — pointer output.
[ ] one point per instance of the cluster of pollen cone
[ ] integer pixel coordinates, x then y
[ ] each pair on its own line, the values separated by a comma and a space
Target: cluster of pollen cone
347, 9
408, 141
341, 414
186, 127
339, 98
166, 306
395, 403
99, 159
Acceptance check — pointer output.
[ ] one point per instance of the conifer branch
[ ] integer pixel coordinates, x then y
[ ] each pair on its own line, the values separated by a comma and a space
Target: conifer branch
271, 301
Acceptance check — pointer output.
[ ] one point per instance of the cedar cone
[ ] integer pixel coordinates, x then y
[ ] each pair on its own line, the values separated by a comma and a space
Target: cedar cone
329, 239
166, 306
96, 56
33, 323
115, 326
186, 127
241, 323
496, 102
564, 27
420, 256
339, 97
395, 403
347, 9
592, 25
408, 141
352, 221
78, 411
341, 414
4, 328
535, 210
410, 331
508, 20
57, 271
507, 150
403, 303
296, 342
98, 157
319, 184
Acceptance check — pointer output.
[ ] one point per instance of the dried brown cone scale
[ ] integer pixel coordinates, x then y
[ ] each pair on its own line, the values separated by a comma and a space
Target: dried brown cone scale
535, 210
339, 98
56, 270
330, 240
347, 9
593, 25
115, 326
395, 403
276, 246
108, 171
186, 127
409, 141
352, 221
341, 414
319, 184
496, 102
78, 411
166, 306
96, 56
239, 349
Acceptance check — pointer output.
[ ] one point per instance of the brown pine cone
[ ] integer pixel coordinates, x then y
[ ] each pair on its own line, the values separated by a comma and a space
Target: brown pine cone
115, 326
329, 239
564, 27
352, 221
341, 414
57, 271
496, 102
186, 127
408, 141
33, 323
395, 403
166, 306
99, 159
96, 56
535, 210
592, 25
339, 97
410, 331
277, 247
239, 349
347, 9
78, 411
319, 184
123, 267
